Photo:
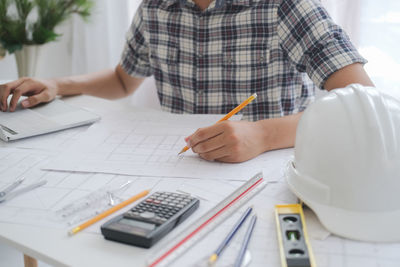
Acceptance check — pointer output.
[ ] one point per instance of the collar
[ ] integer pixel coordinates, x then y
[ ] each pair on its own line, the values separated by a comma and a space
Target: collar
236, 2
220, 3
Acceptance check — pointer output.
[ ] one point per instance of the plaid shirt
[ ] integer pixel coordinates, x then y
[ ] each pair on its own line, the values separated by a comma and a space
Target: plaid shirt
210, 61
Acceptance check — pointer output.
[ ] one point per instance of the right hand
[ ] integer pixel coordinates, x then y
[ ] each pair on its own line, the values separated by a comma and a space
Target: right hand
38, 91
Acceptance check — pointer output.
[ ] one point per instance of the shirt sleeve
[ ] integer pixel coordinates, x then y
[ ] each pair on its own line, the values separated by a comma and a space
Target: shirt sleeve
135, 56
312, 41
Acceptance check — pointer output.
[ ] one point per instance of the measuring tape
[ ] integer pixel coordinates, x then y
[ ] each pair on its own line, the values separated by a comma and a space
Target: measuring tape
195, 232
294, 247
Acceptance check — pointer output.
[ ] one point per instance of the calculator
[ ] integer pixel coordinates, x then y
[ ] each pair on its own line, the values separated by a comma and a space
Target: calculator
151, 219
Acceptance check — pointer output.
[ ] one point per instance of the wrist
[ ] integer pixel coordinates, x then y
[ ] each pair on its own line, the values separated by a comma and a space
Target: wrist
54, 85
268, 134
279, 133
65, 86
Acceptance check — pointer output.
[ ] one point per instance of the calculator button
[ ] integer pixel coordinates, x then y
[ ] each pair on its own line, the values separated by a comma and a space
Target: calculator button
147, 215
132, 215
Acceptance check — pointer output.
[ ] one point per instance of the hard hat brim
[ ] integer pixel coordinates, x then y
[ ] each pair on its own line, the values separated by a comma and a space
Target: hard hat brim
362, 226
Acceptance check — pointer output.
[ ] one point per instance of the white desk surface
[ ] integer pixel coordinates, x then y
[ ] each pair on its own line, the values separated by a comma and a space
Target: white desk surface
53, 246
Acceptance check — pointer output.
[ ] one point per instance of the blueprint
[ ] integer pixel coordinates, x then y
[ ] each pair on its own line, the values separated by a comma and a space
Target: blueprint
147, 144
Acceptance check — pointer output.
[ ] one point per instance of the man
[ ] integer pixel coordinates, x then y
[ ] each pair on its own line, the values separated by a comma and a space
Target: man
207, 56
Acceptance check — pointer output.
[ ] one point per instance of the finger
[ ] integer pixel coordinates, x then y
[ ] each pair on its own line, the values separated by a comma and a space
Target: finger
24, 88
215, 154
234, 154
17, 93
210, 144
203, 134
228, 159
14, 100
36, 99
7, 89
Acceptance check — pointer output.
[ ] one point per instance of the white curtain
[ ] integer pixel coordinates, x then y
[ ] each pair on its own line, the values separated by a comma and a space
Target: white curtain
346, 13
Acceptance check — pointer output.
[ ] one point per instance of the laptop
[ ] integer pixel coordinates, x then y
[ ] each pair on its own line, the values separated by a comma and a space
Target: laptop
45, 118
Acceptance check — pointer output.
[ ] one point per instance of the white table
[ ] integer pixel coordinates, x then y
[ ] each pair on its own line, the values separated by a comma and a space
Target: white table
53, 246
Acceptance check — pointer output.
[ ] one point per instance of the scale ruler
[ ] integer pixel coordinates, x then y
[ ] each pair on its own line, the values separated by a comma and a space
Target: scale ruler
195, 232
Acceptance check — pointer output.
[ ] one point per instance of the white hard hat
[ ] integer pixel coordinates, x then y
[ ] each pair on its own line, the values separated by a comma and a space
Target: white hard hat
347, 163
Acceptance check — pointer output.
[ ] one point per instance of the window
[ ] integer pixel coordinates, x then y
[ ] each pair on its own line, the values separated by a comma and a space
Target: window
379, 42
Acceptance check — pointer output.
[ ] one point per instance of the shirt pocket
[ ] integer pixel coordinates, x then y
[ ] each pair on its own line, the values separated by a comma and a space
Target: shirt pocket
249, 57
165, 58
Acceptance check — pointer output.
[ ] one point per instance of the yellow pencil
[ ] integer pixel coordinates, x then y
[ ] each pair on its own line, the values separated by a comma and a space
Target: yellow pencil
230, 114
108, 212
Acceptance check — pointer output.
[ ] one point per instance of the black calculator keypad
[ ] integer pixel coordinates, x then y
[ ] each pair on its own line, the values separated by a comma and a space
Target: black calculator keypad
159, 207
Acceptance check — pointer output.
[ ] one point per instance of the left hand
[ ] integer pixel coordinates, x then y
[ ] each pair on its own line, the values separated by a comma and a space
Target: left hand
228, 141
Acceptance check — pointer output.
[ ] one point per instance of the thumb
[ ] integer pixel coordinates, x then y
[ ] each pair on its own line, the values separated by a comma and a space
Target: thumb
35, 100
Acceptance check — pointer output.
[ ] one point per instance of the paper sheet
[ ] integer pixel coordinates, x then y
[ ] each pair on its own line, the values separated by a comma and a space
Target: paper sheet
147, 144
37, 208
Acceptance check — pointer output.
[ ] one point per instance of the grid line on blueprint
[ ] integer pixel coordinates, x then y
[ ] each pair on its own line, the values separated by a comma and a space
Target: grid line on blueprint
149, 146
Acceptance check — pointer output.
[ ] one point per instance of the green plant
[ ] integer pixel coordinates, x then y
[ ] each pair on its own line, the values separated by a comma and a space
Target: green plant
30, 22
2, 52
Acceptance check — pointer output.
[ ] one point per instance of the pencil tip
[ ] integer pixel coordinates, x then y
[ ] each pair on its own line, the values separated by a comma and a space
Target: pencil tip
182, 151
74, 231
